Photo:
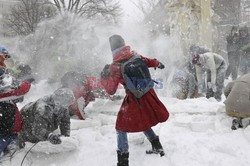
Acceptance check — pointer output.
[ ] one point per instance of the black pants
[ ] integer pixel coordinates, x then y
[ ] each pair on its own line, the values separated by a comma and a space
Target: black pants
234, 61
220, 77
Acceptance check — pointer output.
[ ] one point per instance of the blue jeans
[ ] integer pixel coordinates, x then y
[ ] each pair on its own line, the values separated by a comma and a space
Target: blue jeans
5, 141
122, 139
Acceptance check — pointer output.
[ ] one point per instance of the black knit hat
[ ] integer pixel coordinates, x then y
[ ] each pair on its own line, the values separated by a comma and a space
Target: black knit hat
116, 41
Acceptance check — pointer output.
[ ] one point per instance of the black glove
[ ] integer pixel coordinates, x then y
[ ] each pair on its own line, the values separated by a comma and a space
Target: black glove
54, 138
30, 80
161, 66
105, 72
7, 56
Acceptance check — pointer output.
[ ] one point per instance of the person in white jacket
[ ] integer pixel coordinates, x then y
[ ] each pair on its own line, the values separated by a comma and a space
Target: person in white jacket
215, 67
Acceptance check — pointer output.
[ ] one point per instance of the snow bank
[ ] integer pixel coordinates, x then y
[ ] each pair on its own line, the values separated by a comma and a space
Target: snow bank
197, 134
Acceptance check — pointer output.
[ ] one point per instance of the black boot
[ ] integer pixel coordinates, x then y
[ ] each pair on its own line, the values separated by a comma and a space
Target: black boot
156, 147
237, 123
122, 158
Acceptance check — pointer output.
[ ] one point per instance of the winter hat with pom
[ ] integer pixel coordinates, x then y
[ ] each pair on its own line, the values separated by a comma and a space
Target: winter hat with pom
116, 41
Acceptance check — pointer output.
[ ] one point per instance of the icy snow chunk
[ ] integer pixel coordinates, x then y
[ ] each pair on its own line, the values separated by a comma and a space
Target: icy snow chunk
107, 119
79, 124
247, 133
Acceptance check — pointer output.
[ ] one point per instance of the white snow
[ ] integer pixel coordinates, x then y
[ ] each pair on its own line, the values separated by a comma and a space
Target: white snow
197, 134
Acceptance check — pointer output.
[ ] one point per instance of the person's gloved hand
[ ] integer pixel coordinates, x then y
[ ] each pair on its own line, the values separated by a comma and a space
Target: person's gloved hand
161, 66
54, 138
7, 56
91, 96
30, 80
105, 72
200, 88
212, 86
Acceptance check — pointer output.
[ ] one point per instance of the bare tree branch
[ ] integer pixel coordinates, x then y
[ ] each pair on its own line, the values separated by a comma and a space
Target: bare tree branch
90, 8
23, 18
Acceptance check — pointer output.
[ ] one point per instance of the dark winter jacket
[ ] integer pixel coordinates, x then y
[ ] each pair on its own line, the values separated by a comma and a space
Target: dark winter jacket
245, 41
42, 118
135, 115
233, 43
10, 118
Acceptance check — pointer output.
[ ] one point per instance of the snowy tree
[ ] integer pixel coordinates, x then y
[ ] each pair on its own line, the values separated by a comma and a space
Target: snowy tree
153, 11
89, 8
24, 17
146, 6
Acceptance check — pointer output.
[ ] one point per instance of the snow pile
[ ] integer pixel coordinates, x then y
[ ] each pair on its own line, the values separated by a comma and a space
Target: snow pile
197, 134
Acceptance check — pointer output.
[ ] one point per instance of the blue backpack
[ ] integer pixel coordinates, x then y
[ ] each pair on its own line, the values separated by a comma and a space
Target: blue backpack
136, 76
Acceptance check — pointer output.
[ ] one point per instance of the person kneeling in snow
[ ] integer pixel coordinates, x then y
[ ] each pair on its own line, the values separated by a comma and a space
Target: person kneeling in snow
183, 83
237, 100
42, 117
137, 114
10, 118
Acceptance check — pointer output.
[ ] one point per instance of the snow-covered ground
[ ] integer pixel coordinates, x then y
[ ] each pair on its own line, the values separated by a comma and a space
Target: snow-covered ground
197, 134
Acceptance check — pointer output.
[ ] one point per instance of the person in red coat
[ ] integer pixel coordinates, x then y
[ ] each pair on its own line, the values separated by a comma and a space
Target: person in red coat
86, 94
135, 115
10, 118
76, 82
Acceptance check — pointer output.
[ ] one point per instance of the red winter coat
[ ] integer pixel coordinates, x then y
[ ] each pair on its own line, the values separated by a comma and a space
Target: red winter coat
131, 118
23, 89
81, 91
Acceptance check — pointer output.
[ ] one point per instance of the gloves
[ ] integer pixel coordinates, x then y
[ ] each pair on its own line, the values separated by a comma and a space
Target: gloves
200, 88
212, 86
30, 80
161, 66
105, 72
54, 138
7, 56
